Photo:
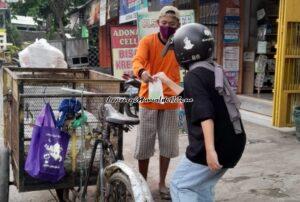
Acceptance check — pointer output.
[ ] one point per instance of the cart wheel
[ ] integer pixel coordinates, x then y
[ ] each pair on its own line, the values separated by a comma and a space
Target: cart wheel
119, 188
4, 175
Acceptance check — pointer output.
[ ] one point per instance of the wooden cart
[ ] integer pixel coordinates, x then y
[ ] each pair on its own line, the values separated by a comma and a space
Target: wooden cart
25, 91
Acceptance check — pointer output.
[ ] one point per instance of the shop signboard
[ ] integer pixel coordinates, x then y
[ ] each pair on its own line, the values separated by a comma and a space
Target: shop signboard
124, 42
147, 21
129, 9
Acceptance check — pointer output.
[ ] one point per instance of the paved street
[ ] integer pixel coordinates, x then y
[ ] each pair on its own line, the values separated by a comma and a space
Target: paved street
269, 170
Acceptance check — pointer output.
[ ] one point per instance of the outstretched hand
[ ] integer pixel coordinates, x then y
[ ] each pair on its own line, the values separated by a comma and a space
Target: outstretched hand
161, 76
146, 77
168, 82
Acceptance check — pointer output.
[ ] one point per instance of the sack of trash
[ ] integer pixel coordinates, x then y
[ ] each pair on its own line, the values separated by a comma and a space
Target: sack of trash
42, 54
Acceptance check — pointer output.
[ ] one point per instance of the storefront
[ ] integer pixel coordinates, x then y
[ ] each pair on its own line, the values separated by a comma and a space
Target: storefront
126, 23
287, 74
245, 40
271, 64
222, 17
259, 48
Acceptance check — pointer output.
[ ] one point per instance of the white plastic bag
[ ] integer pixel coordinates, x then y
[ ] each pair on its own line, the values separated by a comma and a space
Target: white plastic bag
156, 90
42, 54
260, 64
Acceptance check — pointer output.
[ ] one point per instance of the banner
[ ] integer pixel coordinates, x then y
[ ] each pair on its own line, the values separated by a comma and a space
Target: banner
3, 4
233, 79
94, 12
129, 9
102, 12
112, 9
231, 58
124, 42
84, 32
147, 21
166, 2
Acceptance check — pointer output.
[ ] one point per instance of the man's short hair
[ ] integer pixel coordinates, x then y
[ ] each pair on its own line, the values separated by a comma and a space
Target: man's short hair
169, 10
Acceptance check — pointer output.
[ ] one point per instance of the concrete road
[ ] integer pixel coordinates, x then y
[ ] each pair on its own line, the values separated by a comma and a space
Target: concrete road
268, 171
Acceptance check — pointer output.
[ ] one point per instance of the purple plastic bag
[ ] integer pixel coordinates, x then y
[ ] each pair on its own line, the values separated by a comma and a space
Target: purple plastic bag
48, 148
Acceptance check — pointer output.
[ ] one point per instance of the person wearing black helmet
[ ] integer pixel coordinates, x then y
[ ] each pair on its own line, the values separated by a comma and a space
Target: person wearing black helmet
215, 131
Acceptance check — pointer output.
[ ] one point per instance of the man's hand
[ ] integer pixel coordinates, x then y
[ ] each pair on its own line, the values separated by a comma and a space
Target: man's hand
146, 77
212, 160
162, 76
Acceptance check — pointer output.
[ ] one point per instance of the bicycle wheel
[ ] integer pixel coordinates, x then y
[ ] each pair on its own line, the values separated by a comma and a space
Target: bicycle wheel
106, 161
119, 188
100, 179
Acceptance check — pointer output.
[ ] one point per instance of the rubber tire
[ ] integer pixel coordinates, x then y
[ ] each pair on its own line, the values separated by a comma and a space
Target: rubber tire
4, 175
119, 176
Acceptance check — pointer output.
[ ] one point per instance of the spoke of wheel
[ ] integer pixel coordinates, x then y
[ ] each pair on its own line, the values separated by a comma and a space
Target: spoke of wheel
118, 192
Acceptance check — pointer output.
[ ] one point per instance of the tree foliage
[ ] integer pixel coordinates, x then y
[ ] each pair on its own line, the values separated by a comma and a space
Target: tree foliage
52, 12
13, 35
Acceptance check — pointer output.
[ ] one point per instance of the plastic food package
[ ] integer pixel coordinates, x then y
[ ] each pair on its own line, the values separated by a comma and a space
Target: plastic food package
156, 90
42, 54
259, 80
261, 32
260, 64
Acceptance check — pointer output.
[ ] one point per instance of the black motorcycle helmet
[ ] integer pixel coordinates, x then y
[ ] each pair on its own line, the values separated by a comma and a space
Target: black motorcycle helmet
191, 42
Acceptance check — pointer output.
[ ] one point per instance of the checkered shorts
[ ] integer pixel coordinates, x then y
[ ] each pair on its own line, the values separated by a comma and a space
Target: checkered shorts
161, 122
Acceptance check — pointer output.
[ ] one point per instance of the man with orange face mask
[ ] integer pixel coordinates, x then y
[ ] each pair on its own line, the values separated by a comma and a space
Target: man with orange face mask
156, 118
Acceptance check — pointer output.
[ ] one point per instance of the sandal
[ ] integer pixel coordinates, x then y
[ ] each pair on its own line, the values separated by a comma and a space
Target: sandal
165, 193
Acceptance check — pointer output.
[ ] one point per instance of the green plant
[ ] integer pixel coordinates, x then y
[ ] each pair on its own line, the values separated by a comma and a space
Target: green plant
13, 35
13, 50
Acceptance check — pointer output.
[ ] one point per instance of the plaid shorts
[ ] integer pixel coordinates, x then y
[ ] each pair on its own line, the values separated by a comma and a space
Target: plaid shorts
164, 123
